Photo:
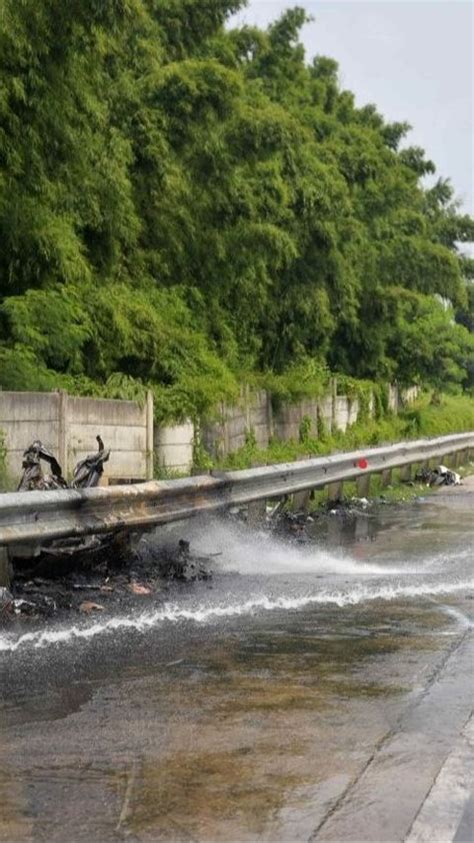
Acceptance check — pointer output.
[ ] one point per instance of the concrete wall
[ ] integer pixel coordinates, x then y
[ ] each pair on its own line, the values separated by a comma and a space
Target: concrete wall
232, 423
341, 412
407, 396
174, 447
123, 428
254, 413
68, 426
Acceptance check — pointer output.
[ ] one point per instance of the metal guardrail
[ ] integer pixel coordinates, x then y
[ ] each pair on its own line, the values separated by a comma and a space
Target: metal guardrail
41, 517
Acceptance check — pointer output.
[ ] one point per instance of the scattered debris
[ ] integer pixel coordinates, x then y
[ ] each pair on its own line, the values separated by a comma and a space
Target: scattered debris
50, 585
136, 588
439, 476
43, 606
89, 606
24, 607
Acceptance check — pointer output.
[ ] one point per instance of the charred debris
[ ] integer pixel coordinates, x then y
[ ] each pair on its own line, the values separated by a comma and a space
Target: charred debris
84, 574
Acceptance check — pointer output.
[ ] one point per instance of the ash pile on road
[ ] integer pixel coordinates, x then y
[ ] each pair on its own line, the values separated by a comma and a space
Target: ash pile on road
50, 585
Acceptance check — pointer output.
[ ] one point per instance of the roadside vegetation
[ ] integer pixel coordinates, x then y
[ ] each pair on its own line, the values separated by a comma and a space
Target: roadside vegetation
187, 207
450, 414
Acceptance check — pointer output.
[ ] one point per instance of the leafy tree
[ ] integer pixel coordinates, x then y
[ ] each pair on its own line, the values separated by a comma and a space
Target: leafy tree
181, 203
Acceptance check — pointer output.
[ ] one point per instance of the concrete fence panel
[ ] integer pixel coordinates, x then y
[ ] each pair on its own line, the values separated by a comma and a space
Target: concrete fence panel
24, 417
352, 410
174, 447
68, 427
341, 412
123, 428
325, 411
393, 398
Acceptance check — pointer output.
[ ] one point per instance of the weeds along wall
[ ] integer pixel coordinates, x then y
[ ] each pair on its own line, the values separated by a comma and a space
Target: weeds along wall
257, 415
68, 426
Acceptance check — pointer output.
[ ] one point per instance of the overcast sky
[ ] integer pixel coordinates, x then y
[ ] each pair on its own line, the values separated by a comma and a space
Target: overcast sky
412, 58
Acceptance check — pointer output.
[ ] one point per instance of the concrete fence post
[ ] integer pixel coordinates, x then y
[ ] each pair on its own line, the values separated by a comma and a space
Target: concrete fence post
149, 434
334, 403
63, 425
247, 398
269, 409
225, 430
301, 499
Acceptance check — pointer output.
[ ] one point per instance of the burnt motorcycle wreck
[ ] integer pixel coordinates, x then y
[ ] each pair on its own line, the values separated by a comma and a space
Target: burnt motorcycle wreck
87, 472
113, 571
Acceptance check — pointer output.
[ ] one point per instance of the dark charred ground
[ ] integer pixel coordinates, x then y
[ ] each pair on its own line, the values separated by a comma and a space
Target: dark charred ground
99, 580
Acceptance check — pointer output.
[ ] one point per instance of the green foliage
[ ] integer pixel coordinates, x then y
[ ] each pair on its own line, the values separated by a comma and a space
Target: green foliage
322, 432
201, 458
304, 432
181, 204
307, 378
451, 413
381, 400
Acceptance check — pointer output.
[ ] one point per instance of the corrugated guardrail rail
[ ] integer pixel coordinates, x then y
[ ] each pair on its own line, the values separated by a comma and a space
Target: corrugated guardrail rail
44, 516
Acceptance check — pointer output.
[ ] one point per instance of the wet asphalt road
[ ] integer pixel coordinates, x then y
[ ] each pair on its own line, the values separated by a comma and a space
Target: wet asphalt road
311, 693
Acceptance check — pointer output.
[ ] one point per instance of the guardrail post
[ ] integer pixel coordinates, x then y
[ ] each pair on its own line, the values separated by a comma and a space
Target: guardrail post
5, 568
386, 477
463, 457
256, 513
363, 485
405, 473
301, 499
456, 459
335, 491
